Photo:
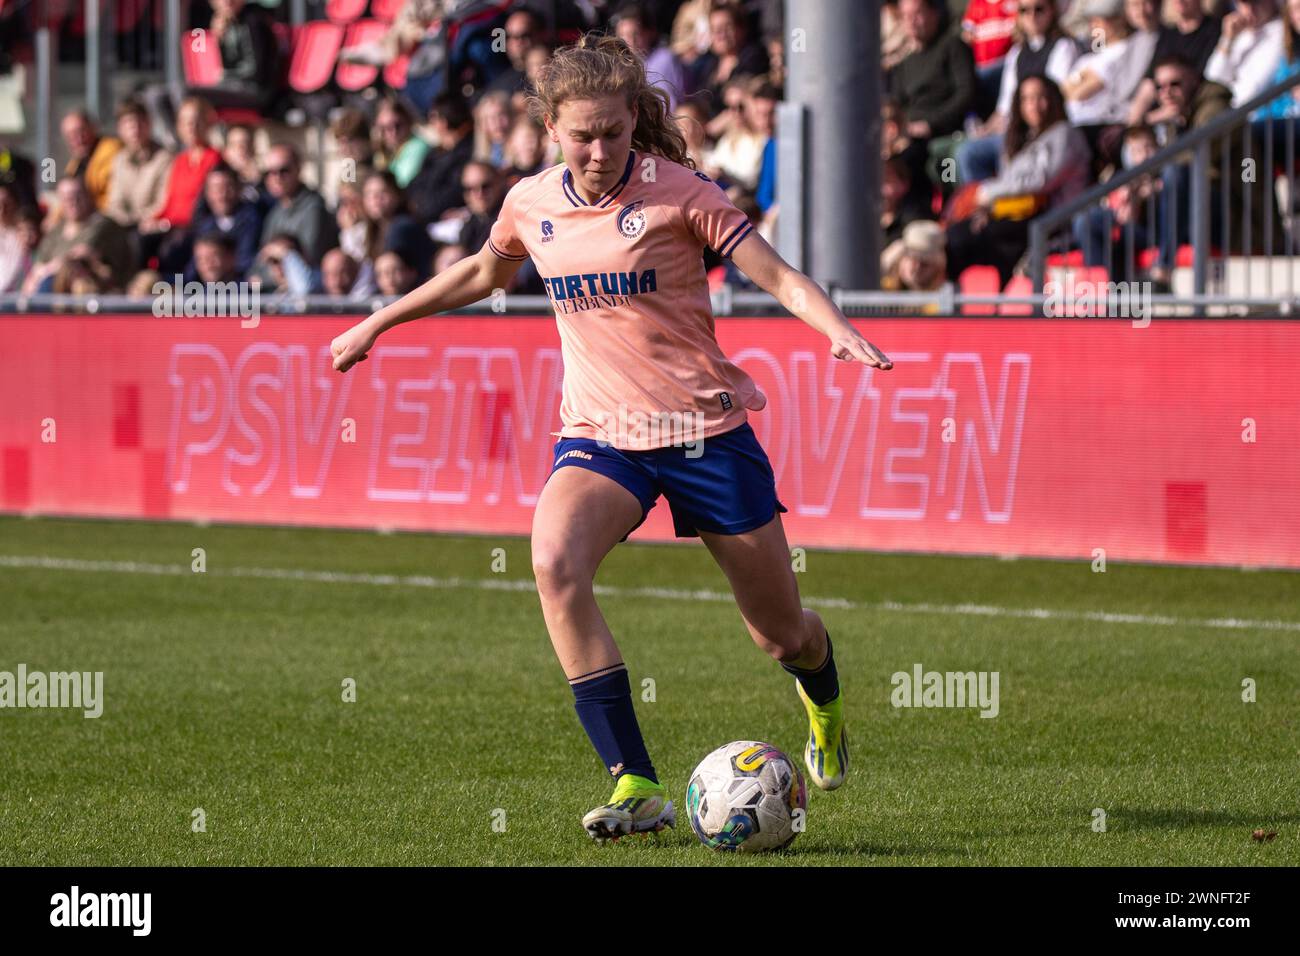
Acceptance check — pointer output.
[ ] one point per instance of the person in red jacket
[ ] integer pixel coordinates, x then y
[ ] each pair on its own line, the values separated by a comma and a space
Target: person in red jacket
164, 232
988, 27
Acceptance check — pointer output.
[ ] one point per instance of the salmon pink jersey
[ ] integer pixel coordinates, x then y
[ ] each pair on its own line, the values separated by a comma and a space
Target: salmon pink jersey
625, 276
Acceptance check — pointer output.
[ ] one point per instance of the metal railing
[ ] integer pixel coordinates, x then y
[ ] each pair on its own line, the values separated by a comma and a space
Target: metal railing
856, 304
1197, 194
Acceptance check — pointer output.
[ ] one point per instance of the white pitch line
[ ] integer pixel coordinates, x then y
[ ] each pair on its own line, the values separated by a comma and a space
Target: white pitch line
669, 594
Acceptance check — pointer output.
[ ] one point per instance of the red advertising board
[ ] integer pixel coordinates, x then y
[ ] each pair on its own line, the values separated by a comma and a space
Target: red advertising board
1179, 441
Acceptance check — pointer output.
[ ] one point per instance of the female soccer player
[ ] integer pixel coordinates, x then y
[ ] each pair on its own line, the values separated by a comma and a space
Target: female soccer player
650, 404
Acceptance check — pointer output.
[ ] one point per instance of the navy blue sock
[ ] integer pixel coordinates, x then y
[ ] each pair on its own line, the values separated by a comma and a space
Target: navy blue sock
604, 705
822, 685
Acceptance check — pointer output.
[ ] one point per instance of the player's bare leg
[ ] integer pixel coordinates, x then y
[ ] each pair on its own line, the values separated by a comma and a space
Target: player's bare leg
580, 516
757, 564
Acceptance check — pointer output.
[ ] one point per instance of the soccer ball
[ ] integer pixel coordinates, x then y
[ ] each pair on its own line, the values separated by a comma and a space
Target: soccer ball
746, 796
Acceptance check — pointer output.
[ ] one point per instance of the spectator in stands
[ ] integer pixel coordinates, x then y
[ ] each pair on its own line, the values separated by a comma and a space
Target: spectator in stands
934, 86
436, 188
523, 30
241, 155
250, 67
394, 275
164, 230
215, 259
987, 26
387, 226
492, 118
1191, 34
526, 149
893, 139
1184, 101
1128, 208
338, 274
738, 156
1041, 47
691, 119
689, 38
407, 30
298, 211
225, 212
535, 60
18, 171
915, 262
899, 206
731, 53
1250, 50
1101, 86
663, 68
895, 43
481, 184
349, 216
1047, 163
15, 255
90, 156
83, 234
250, 56
400, 150
1289, 104
351, 132
140, 169
281, 268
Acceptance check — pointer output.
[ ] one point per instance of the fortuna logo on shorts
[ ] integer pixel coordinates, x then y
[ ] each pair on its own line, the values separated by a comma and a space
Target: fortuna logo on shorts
597, 290
631, 220
585, 456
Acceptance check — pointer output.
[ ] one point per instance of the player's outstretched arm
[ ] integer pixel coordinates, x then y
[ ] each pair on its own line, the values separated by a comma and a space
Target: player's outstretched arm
467, 281
805, 299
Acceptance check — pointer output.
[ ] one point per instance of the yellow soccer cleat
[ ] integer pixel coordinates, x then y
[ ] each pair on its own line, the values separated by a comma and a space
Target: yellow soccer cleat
639, 805
827, 754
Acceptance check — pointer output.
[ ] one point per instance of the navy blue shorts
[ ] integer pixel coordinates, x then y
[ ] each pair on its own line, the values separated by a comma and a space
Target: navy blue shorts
728, 489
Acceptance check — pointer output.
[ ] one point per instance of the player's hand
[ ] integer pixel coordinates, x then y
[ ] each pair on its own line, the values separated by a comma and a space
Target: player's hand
351, 347
850, 346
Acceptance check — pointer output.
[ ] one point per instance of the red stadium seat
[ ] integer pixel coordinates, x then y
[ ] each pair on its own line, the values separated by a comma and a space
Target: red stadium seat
979, 280
395, 72
385, 10
1184, 258
344, 11
203, 65
315, 52
1018, 286
357, 76
1060, 260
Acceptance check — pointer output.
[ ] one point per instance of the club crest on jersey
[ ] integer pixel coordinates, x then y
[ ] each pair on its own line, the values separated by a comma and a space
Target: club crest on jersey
548, 230
631, 220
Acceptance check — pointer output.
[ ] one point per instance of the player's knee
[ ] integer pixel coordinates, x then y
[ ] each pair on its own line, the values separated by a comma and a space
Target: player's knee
556, 571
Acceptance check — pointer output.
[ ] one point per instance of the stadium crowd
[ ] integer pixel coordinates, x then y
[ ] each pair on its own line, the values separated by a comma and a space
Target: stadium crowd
414, 176
995, 111
999, 110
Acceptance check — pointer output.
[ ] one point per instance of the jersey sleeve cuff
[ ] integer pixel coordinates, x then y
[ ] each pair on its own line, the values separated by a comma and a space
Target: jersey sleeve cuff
504, 255
734, 239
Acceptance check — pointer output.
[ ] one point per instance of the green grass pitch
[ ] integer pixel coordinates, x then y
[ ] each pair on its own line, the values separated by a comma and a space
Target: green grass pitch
223, 691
